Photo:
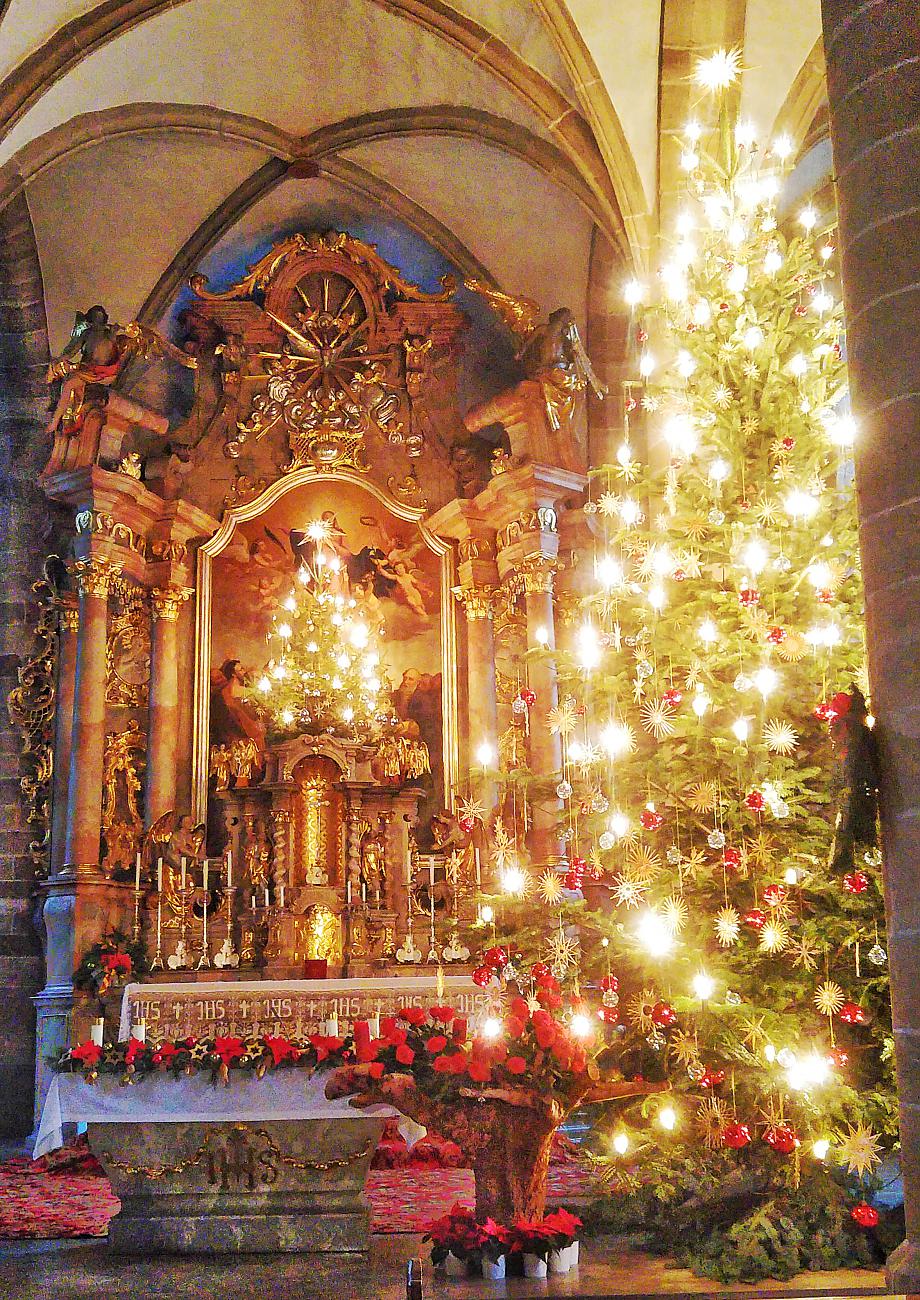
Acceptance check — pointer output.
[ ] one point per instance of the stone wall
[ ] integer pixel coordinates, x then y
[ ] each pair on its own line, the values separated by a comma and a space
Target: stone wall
26, 529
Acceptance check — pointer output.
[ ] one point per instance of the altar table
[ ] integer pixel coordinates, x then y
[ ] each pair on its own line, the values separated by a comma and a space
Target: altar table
260, 1165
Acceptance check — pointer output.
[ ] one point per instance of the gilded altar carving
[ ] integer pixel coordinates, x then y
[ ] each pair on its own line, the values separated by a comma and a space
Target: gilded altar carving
237, 761
127, 649
166, 601
541, 520
317, 823
257, 854
106, 525
320, 935
96, 576
122, 819
476, 548
478, 602
168, 549
31, 705
535, 573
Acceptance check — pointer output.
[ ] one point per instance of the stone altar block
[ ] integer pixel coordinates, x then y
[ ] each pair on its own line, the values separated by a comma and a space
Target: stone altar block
272, 1185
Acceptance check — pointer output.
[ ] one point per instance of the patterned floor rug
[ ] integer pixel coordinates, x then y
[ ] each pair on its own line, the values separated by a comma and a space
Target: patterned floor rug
67, 1195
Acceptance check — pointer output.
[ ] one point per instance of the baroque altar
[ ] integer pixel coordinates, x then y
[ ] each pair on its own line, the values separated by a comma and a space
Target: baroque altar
291, 628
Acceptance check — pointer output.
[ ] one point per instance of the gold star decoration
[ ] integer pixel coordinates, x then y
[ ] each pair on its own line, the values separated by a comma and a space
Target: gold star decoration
754, 1033
722, 397
756, 623
728, 926
693, 863
639, 1010
829, 998
767, 512
471, 810
609, 503
684, 1048
793, 649
779, 737
703, 796
657, 718
643, 863
689, 562
628, 892
759, 850
563, 951
712, 1118
550, 888
674, 913
562, 718
774, 937
695, 528
804, 954
859, 1149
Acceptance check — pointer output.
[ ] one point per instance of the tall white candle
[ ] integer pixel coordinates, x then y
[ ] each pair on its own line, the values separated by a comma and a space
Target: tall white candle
183, 874
431, 889
137, 873
96, 1031
139, 1031
204, 875
159, 875
229, 868
266, 895
281, 896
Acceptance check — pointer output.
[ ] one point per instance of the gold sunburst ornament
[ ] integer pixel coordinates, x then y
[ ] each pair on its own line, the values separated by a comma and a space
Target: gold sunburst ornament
562, 718
804, 954
703, 796
779, 737
628, 892
774, 937
473, 810
563, 951
674, 913
550, 888
859, 1149
728, 926
640, 1008
712, 1118
657, 719
829, 998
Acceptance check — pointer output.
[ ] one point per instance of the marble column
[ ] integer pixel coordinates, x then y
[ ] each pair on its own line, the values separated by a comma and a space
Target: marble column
482, 708
536, 577
872, 53
94, 578
68, 626
163, 726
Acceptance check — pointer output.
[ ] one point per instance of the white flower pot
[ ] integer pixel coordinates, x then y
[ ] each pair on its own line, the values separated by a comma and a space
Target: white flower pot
534, 1266
454, 1267
493, 1271
557, 1261
572, 1252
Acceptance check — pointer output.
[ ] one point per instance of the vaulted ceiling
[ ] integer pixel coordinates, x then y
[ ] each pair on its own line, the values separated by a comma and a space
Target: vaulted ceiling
513, 139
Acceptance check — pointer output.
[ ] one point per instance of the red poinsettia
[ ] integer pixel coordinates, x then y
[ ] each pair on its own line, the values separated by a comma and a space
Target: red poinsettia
282, 1049
116, 961
134, 1049
413, 1015
229, 1049
323, 1044
564, 1227
165, 1054
443, 1014
88, 1053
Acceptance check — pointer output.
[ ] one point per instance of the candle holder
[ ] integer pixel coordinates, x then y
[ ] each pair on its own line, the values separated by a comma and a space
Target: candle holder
181, 958
408, 954
136, 928
226, 955
204, 961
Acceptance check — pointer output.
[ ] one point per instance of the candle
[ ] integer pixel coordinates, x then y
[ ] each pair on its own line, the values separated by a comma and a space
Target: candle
373, 1026
363, 891
204, 875
139, 1031
440, 984
137, 873
362, 1035
281, 896
478, 868
159, 875
253, 900
266, 895
229, 868
348, 893
183, 874
459, 1029
387, 1025
332, 1027
96, 1030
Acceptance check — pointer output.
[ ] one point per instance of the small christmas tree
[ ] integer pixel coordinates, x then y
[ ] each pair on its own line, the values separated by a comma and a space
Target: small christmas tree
736, 942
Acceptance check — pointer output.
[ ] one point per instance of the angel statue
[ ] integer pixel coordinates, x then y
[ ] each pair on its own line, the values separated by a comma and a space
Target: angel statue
175, 839
556, 369
86, 371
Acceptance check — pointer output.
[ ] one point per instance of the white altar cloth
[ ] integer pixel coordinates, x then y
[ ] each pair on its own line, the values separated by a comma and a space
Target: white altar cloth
161, 1099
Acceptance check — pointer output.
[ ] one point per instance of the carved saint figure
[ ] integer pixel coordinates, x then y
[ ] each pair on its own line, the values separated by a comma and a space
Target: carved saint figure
373, 862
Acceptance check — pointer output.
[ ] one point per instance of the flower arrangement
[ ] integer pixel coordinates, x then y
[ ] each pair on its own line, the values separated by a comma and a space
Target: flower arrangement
478, 1245
110, 962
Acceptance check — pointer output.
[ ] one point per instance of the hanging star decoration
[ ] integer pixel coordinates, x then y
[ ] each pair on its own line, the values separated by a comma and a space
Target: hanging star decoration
804, 953
628, 892
693, 864
759, 850
550, 888
774, 937
721, 397
859, 1149
608, 503
644, 863
684, 1048
688, 562
640, 1008
728, 926
703, 796
674, 913
657, 719
829, 998
563, 951
504, 848
562, 717
794, 648
712, 1118
767, 513
471, 810
779, 737
755, 1035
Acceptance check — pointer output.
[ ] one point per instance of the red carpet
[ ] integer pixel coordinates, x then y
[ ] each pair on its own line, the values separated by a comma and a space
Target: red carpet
66, 1195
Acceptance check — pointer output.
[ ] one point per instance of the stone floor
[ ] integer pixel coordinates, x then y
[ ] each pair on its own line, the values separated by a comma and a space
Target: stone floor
77, 1270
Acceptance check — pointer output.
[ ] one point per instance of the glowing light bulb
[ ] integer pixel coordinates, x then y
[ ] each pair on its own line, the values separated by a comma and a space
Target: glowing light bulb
820, 576
313, 647
514, 880
822, 302
491, 1027
700, 703
589, 647
772, 261
657, 597
485, 754
745, 134
708, 632
620, 1143
264, 685
842, 430
337, 683
279, 672
609, 571
619, 825
616, 739
736, 233
541, 636
766, 679
581, 1025
810, 1072
702, 313
820, 1148
624, 454
630, 511
487, 914
646, 364
680, 435
685, 363
784, 147
343, 662
808, 218
742, 729
685, 223
703, 986
791, 876
737, 278
359, 635
633, 292
719, 470
769, 1052
284, 630
693, 130
753, 338
655, 935
667, 1118
290, 604
800, 504
755, 556
718, 71
348, 713
689, 160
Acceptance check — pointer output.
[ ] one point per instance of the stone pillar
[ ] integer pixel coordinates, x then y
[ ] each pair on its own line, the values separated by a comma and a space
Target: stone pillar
163, 726
94, 577
482, 708
69, 623
872, 52
536, 578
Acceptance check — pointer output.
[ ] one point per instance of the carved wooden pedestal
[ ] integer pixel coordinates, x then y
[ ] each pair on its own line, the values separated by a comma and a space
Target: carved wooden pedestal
274, 1185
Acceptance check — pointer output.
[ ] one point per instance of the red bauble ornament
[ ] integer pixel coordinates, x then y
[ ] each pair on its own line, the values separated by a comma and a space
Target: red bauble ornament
776, 635
573, 880
801, 310
755, 918
712, 1078
864, 1215
788, 443
539, 970
840, 703
731, 859
663, 1015
856, 882
775, 895
610, 984
851, 1013
838, 1057
579, 864
650, 820
672, 697
749, 597
495, 958
837, 350
723, 306
736, 1136
678, 575
744, 504
482, 976
642, 335
782, 1138
755, 801
609, 1015
825, 597
466, 824
528, 696
632, 404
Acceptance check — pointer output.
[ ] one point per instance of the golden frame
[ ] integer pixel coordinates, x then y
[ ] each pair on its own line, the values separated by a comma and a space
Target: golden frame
217, 544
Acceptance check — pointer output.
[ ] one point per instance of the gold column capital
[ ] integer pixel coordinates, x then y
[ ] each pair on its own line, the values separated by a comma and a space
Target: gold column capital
69, 617
535, 573
95, 576
478, 602
166, 601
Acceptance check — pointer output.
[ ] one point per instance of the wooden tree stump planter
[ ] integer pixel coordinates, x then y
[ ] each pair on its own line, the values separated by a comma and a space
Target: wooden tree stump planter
505, 1133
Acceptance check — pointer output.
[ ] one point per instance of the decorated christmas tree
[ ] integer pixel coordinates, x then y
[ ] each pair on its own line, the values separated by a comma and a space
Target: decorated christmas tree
718, 780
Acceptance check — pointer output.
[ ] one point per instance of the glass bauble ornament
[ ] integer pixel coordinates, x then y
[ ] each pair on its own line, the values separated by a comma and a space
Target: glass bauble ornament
715, 840
563, 790
877, 955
